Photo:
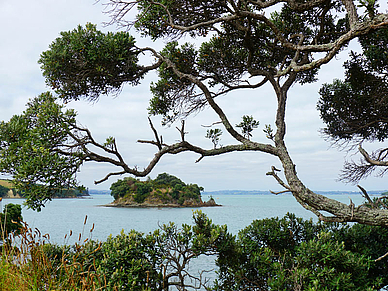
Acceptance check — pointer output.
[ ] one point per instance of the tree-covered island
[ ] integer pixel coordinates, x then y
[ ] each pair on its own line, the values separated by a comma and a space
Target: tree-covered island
164, 191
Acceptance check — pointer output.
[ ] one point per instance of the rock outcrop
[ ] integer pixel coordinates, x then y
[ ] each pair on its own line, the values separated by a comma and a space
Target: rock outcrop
153, 201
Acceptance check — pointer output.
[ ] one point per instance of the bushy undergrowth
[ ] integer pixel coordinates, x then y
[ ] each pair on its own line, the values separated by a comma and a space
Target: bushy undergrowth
25, 265
295, 254
286, 253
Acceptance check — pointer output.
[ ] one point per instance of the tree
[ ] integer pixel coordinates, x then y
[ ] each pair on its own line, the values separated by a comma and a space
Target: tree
35, 151
248, 44
356, 109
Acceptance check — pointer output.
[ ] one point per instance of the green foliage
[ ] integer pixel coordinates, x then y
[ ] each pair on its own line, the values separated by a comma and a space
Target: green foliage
268, 131
356, 108
295, 254
218, 57
176, 191
10, 220
170, 90
31, 146
68, 193
143, 189
324, 264
3, 191
369, 241
137, 261
180, 191
151, 20
214, 136
130, 261
165, 179
85, 62
247, 125
370, 5
122, 187
237, 48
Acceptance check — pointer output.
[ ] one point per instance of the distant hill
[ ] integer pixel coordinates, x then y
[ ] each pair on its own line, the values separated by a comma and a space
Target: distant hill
99, 192
259, 192
6, 183
7, 190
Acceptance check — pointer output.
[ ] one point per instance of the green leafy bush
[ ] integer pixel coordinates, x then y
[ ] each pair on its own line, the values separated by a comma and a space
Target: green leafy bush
137, 261
296, 254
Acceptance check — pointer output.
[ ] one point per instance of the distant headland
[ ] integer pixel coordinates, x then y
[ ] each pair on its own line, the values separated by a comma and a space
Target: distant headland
165, 191
7, 190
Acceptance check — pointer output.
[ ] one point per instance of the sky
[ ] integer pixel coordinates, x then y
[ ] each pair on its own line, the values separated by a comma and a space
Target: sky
28, 27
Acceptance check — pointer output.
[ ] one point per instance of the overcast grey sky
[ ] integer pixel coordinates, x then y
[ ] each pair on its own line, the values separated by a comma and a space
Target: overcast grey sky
28, 27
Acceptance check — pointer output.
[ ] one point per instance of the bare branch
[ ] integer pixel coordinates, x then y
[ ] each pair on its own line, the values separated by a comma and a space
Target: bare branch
217, 122
366, 196
109, 175
382, 257
277, 178
158, 142
182, 130
281, 192
375, 162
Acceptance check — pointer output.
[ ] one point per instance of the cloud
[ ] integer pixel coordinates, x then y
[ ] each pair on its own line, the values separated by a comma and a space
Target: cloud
30, 26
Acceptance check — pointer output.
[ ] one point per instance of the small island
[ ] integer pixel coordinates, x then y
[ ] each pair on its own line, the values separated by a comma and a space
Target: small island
164, 191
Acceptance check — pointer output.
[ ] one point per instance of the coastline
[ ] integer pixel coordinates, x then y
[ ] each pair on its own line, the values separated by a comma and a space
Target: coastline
187, 204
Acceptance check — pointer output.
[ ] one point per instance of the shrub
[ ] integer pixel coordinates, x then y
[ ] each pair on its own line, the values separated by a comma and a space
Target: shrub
296, 254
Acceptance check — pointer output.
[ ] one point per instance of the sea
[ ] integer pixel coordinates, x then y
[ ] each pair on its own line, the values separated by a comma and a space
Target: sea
79, 216
238, 209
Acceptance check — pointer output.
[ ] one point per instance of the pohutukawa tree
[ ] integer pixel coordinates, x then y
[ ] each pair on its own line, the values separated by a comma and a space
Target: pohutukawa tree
356, 109
248, 44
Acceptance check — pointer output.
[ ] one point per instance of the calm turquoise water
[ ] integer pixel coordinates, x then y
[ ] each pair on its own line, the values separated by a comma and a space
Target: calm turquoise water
237, 211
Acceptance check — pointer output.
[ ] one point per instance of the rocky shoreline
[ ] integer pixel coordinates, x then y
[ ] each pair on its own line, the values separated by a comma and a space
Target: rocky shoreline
129, 203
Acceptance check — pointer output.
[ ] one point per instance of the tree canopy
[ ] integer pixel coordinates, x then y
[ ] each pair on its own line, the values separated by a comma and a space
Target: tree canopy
243, 45
356, 109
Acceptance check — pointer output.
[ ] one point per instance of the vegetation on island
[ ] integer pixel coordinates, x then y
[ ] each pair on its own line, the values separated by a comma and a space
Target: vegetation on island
286, 253
165, 189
